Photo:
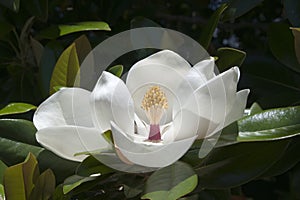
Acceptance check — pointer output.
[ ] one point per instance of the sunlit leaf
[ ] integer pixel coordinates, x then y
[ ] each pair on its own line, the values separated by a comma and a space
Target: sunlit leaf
61, 30
16, 108
171, 182
271, 124
65, 70
116, 70
209, 29
229, 57
19, 179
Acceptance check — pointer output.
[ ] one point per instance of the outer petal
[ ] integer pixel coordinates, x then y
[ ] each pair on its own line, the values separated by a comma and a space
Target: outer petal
65, 141
111, 101
165, 68
69, 106
150, 156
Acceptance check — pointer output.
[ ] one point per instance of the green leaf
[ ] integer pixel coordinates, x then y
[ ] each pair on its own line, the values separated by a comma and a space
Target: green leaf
65, 70
2, 170
11, 4
229, 57
209, 29
44, 187
61, 30
5, 28
16, 108
19, 130
130, 192
281, 42
237, 8
271, 124
255, 108
37, 8
74, 181
19, 179
83, 47
171, 182
292, 11
90, 166
2, 193
296, 33
237, 164
116, 70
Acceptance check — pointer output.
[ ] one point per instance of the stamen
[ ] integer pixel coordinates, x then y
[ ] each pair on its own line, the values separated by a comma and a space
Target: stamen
154, 103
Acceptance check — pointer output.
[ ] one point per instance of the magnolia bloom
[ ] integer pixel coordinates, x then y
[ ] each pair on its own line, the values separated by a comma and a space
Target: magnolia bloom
154, 117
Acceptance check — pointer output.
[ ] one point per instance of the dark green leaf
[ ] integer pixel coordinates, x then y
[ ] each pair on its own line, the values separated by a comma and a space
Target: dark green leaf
215, 194
234, 165
292, 10
44, 187
5, 29
37, 49
83, 47
66, 69
131, 192
229, 57
11, 4
116, 70
16, 108
2, 170
90, 166
171, 182
237, 8
281, 42
19, 130
74, 181
61, 30
209, 29
271, 124
38, 8
296, 33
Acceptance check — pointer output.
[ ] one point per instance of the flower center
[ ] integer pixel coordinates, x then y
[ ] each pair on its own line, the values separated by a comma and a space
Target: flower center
154, 103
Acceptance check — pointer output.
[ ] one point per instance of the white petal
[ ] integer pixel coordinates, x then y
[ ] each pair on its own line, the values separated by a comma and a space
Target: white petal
113, 161
150, 156
65, 141
111, 101
68, 106
237, 110
165, 68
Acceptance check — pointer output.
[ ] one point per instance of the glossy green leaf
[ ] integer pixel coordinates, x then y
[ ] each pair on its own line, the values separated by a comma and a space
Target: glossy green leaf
2, 193
229, 57
11, 4
237, 164
44, 186
61, 30
19, 130
16, 108
116, 70
237, 8
74, 181
281, 42
171, 182
19, 179
65, 70
255, 108
296, 33
207, 33
90, 166
292, 11
271, 124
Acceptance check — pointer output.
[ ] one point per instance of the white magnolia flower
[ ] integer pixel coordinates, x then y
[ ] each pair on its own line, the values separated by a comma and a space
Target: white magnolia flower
154, 117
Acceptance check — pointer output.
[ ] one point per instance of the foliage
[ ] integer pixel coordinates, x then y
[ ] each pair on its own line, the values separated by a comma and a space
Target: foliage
43, 43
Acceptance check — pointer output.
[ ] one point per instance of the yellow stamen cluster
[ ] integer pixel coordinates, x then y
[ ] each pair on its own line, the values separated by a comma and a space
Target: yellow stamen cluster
154, 97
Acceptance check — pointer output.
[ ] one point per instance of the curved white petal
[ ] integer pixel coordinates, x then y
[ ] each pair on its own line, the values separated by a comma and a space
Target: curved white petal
66, 141
165, 68
111, 101
150, 156
237, 110
68, 106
